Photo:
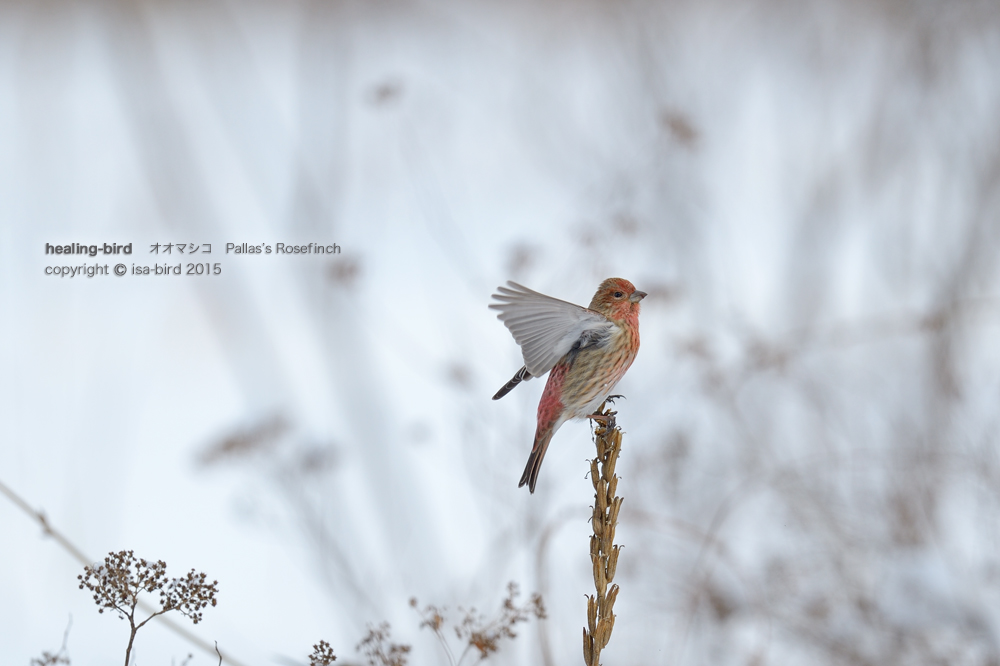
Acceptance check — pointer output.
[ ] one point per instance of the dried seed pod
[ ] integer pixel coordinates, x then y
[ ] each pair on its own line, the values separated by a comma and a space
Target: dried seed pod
615, 507
607, 625
603, 634
613, 562
609, 602
599, 580
609, 466
607, 542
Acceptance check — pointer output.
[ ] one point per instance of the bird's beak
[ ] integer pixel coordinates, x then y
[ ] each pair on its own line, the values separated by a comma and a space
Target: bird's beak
637, 296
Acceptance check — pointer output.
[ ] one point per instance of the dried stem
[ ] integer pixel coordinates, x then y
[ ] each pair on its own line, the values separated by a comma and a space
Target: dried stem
603, 552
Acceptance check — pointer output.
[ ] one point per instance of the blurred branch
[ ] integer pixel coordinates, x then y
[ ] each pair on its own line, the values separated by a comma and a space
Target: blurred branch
289, 469
542, 574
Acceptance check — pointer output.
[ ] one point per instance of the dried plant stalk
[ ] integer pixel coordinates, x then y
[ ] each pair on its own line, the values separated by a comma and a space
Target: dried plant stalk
603, 552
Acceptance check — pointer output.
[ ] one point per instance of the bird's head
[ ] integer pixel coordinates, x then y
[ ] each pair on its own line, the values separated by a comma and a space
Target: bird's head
617, 299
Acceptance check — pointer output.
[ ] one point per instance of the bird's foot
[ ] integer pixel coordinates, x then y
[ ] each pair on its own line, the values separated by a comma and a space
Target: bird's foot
612, 398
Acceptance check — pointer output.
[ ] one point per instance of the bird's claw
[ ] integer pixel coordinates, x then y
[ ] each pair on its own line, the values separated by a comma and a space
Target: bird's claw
612, 398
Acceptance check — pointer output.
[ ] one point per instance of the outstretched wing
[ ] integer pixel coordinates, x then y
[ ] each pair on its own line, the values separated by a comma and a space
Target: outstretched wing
547, 328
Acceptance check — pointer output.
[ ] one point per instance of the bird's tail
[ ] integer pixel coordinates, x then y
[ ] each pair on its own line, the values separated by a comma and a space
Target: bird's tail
519, 376
530, 475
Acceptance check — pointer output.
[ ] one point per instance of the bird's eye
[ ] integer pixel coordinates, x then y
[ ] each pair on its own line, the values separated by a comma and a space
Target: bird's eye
618, 294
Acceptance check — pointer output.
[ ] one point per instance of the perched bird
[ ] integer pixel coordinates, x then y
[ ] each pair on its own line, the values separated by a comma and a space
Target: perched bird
588, 351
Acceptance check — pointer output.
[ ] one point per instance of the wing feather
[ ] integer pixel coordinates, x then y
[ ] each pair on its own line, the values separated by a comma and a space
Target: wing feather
546, 328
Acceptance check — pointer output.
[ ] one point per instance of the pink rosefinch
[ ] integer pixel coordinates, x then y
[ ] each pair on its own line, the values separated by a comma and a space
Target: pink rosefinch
588, 351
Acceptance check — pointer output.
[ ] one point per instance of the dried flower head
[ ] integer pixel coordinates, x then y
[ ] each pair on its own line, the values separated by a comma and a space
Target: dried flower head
485, 636
379, 651
475, 631
50, 659
117, 583
259, 438
322, 655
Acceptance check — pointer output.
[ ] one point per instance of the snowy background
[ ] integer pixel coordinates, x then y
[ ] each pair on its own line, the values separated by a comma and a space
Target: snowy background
809, 192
